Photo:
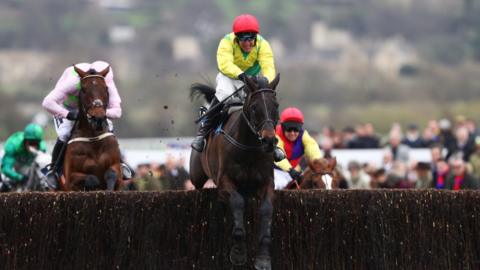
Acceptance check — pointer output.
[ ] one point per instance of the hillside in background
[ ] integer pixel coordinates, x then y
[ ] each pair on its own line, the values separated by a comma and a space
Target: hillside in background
343, 62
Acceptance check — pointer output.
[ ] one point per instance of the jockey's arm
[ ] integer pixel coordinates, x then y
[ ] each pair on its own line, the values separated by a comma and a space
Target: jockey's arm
265, 59
8, 164
312, 150
114, 110
283, 164
225, 59
65, 85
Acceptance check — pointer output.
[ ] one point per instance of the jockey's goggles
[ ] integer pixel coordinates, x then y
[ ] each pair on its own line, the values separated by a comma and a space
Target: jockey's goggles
291, 126
247, 36
292, 129
33, 142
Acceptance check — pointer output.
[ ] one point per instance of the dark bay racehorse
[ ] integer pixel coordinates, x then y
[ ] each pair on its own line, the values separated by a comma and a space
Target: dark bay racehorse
92, 157
239, 158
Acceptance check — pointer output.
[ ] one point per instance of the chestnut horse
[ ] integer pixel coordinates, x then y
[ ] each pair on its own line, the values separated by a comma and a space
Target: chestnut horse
239, 159
320, 174
92, 156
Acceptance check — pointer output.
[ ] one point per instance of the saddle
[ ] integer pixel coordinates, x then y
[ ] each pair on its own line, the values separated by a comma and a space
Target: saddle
232, 105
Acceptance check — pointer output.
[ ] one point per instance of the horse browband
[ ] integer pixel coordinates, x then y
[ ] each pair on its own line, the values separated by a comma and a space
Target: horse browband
92, 76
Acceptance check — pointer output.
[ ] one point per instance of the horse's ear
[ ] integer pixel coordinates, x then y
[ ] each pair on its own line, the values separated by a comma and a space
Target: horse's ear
275, 82
80, 72
104, 72
251, 86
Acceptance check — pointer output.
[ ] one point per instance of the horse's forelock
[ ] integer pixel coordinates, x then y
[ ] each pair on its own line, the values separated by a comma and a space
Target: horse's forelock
262, 83
92, 71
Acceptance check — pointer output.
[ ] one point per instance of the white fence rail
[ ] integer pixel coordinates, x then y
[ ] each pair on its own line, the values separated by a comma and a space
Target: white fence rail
148, 150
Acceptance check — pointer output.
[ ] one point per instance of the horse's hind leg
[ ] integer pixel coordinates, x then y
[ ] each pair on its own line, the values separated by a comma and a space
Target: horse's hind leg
111, 179
238, 253
262, 261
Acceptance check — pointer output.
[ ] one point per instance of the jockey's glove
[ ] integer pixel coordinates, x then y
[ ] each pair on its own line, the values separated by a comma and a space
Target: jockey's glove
242, 77
72, 115
296, 175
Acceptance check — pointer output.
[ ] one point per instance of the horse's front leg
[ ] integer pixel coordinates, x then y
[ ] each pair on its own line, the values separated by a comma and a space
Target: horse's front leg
263, 261
238, 253
82, 181
112, 177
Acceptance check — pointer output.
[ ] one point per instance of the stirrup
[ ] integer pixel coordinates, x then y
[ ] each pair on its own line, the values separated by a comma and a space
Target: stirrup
202, 111
127, 173
47, 170
51, 181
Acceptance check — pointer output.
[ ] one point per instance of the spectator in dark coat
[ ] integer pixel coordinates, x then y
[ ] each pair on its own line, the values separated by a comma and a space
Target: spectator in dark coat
176, 175
463, 145
412, 137
460, 178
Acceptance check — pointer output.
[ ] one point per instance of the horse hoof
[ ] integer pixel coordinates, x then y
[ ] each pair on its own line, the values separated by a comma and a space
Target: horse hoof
263, 263
238, 255
91, 181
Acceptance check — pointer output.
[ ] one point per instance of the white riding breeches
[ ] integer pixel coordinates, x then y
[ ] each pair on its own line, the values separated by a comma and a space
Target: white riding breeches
226, 86
63, 127
281, 178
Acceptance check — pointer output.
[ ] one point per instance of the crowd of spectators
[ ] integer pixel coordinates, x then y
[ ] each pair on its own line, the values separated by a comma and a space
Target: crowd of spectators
454, 148
172, 175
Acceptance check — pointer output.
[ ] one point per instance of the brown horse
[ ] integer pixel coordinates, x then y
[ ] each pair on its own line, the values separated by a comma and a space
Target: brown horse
239, 159
320, 174
92, 156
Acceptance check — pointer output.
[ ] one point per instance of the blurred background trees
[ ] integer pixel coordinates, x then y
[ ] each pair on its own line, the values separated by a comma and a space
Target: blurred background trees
341, 61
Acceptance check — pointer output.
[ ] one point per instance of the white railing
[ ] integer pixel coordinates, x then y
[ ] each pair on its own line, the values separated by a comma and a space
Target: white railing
148, 150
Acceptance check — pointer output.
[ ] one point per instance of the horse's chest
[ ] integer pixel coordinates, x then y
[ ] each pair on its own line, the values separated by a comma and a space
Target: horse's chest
249, 171
91, 158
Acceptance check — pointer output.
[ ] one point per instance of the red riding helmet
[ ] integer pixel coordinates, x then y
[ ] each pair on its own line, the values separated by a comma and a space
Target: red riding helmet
246, 23
291, 114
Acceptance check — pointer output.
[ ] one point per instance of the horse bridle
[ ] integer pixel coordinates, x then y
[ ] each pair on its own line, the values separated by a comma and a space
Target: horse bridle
96, 102
322, 173
256, 130
252, 127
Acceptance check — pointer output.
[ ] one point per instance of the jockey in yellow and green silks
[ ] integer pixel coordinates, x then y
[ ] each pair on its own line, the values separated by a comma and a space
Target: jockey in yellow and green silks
243, 52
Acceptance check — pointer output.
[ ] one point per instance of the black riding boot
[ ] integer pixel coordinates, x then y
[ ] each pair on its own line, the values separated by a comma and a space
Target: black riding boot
54, 172
206, 125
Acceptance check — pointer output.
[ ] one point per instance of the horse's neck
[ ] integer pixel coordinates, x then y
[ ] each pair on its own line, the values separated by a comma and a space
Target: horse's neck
84, 129
245, 135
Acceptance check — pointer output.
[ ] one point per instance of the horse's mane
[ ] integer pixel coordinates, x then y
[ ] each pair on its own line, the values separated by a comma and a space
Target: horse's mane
198, 89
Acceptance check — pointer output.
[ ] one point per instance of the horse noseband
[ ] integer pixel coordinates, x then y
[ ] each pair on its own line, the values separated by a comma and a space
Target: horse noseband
97, 103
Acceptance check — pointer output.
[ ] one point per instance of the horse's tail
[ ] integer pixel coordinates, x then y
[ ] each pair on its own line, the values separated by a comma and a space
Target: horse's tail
198, 89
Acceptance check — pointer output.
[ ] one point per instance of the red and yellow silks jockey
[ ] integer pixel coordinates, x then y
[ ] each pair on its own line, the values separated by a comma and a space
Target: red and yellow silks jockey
296, 142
